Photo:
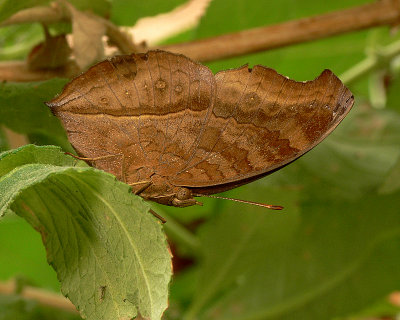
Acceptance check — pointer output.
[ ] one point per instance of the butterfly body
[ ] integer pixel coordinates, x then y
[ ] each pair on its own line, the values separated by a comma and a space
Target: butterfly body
158, 189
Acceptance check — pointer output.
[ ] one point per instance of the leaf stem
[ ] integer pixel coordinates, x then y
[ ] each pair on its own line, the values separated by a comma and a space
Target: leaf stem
44, 297
181, 235
381, 57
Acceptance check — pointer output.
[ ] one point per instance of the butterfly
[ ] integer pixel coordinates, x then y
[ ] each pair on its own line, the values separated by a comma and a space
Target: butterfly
168, 127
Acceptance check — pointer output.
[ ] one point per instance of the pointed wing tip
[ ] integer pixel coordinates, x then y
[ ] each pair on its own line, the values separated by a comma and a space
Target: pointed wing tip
327, 73
53, 104
50, 104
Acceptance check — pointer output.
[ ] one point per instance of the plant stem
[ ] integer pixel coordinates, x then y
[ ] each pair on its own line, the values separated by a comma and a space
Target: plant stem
180, 235
382, 57
44, 297
383, 12
44, 15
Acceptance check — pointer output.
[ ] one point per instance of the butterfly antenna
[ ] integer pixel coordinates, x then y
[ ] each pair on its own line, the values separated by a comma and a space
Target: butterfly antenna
269, 206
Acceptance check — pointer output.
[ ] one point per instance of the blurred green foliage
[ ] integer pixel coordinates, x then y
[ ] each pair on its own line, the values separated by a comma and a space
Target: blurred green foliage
3, 140
33, 118
15, 308
127, 12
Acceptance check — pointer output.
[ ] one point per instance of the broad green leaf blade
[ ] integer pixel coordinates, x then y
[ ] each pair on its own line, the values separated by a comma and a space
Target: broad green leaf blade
333, 250
17, 40
109, 252
29, 154
22, 109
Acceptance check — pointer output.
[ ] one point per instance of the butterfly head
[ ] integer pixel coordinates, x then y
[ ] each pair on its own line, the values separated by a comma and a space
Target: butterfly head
184, 198
160, 191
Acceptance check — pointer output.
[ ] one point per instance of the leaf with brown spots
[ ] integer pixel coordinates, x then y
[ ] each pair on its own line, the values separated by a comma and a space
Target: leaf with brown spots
162, 118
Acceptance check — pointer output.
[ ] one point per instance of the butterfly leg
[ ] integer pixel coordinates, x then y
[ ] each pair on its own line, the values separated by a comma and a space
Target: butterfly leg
158, 216
146, 184
185, 203
92, 159
123, 177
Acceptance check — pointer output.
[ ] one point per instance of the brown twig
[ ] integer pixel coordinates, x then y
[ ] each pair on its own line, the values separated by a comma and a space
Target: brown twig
18, 71
382, 12
44, 297
122, 40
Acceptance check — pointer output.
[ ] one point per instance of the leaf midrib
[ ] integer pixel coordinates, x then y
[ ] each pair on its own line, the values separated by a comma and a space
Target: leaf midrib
135, 249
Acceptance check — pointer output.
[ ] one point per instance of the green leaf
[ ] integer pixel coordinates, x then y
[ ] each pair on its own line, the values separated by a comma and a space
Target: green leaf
109, 252
28, 154
333, 250
9, 7
22, 109
16, 41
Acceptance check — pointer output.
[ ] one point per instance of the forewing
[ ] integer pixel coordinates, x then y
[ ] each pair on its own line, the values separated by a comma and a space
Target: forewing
261, 121
144, 111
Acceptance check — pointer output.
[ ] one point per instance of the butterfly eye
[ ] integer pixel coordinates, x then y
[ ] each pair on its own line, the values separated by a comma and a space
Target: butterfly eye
184, 194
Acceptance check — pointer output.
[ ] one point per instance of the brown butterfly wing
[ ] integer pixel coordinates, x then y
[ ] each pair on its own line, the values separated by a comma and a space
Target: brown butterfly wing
146, 111
260, 122
161, 113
